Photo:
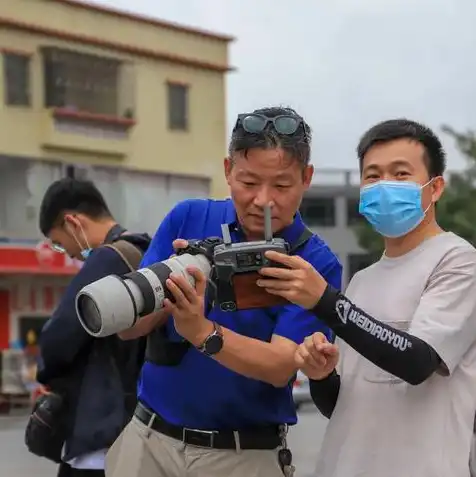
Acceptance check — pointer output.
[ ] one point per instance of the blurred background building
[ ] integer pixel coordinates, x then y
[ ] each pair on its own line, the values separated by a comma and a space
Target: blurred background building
331, 209
136, 105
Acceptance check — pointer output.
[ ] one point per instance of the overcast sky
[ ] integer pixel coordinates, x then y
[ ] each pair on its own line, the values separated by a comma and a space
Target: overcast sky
343, 64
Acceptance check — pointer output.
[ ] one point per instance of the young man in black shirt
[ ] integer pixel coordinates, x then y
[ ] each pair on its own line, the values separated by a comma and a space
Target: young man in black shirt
97, 378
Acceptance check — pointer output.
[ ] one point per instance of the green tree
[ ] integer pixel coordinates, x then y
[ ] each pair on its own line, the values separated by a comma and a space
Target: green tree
456, 211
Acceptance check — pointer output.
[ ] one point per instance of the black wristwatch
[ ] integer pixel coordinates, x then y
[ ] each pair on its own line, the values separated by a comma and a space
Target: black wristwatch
213, 342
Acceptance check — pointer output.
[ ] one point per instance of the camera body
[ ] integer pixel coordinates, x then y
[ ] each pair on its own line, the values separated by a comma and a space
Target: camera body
235, 266
235, 272
245, 257
204, 247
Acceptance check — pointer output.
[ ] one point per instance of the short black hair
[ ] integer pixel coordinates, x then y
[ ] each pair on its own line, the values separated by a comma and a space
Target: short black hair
393, 129
297, 145
70, 195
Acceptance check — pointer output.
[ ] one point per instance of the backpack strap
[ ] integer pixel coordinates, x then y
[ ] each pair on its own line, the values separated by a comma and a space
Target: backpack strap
129, 253
132, 257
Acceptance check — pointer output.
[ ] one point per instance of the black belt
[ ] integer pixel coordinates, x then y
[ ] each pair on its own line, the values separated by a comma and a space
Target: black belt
260, 438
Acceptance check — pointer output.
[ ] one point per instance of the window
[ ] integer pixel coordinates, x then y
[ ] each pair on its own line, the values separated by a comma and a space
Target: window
81, 82
319, 211
353, 216
357, 262
178, 106
16, 71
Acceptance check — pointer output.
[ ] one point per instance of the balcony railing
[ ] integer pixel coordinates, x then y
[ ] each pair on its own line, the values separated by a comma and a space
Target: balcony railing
88, 83
91, 125
69, 130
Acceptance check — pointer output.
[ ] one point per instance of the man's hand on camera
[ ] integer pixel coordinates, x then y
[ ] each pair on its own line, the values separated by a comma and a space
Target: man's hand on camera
187, 311
178, 244
300, 283
316, 357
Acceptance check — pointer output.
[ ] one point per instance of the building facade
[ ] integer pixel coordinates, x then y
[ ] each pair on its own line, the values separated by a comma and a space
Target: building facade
134, 104
331, 210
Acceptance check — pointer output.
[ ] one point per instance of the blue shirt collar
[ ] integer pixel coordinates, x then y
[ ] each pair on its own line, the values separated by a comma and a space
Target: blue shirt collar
290, 234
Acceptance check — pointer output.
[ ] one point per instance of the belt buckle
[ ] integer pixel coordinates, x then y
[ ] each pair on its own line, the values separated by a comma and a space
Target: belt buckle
198, 432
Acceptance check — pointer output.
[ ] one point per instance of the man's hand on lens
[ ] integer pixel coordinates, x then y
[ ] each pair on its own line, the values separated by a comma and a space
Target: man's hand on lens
187, 311
316, 357
299, 283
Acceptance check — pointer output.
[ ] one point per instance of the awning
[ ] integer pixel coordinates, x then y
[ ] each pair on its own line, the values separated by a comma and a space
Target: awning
39, 260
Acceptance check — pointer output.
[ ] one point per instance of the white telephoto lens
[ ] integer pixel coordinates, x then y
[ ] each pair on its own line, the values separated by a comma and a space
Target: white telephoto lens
113, 304
180, 263
108, 306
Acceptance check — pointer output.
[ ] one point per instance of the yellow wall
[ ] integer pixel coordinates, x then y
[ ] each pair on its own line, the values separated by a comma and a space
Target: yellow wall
151, 145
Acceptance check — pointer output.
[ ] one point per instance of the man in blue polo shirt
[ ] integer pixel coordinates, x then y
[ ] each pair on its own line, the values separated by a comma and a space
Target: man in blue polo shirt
220, 407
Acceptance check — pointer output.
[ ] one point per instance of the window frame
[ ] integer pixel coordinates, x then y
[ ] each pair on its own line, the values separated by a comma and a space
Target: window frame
52, 96
182, 124
353, 218
9, 92
307, 202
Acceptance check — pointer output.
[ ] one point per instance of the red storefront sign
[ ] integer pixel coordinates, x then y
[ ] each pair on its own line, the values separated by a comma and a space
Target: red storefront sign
39, 260
30, 296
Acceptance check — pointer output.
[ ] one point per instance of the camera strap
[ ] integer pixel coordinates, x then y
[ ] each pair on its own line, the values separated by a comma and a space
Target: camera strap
301, 241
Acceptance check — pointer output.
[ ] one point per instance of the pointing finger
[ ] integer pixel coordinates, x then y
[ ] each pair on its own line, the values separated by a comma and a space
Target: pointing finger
318, 356
329, 349
315, 340
319, 339
312, 357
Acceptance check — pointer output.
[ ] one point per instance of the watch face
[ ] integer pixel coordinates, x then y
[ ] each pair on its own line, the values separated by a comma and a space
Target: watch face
214, 344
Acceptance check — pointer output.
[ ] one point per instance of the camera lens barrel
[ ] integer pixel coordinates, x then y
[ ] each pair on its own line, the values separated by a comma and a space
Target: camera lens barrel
114, 304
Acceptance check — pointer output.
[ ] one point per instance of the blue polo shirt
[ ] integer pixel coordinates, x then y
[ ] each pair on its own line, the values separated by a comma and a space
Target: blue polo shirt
200, 393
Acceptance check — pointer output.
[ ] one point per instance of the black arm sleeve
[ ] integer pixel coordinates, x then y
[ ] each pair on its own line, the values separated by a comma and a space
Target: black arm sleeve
324, 393
397, 352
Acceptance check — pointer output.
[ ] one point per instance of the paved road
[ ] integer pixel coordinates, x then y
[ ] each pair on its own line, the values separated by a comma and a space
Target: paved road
305, 440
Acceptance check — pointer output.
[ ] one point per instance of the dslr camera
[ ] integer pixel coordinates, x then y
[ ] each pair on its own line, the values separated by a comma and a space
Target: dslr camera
114, 304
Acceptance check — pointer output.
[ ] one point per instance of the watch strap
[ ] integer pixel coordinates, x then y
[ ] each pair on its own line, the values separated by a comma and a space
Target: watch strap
217, 331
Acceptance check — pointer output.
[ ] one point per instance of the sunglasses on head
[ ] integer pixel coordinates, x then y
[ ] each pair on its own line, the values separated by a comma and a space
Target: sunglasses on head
254, 123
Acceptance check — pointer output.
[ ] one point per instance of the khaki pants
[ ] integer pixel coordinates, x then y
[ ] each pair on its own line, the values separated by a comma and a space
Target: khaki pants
142, 452
472, 457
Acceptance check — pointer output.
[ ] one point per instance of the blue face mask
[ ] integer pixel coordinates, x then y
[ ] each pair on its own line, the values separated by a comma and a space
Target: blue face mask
393, 208
86, 253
